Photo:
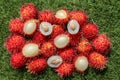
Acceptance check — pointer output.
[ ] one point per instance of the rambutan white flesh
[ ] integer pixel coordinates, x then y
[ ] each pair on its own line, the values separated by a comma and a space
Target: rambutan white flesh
54, 61
45, 28
61, 41
30, 50
81, 64
73, 27
61, 14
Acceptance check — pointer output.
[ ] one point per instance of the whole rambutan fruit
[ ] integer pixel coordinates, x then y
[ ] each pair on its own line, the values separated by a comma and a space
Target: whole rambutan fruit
98, 61
46, 16
16, 26
14, 43
17, 60
28, 11
81, 64
37, 66
67, 55
84, 46
65, 70
80, 16
61, 17
48, 49
90, 31
57, 29
102, 44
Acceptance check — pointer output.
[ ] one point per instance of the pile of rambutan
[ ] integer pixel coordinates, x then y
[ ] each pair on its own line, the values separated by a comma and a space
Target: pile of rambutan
62, 40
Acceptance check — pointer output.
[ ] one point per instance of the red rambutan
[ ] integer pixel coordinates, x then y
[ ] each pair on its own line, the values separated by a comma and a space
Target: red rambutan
28, 11
65, 70
14, 43
17, 60
102, 44
37, 66
97, 60
89, 31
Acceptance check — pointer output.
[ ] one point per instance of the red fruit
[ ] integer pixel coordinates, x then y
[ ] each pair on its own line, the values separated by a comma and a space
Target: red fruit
57, 29
46, 16
48, 49
16, 26
67, 55
15, 43
96, 60
90, 31
80, 16
38, 38
28, 11
17, 60
84, 46
37, 66
61, 17
102, 44
65, 70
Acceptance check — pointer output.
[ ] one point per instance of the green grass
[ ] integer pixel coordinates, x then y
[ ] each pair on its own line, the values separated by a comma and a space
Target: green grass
105, 13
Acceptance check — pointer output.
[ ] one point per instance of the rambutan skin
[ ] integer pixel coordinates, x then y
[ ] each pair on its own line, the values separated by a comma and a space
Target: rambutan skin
67, 55
66, 69
98, 61
90, 31
102, 44
28, 11
48, 49
80, 16
17, 60
36, 66
46, 16
14, 43
16, 26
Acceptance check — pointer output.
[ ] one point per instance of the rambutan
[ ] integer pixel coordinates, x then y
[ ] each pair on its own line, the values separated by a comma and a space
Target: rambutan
80, 16
57, 29
67, 55
102, 44
89, 31
30, 50
46, 16
16, 26
84, 46
65, 70
48, 49
14, 43
62, 40
81, 64
37, 66
17, 60
28, 11
61, 17
98, 61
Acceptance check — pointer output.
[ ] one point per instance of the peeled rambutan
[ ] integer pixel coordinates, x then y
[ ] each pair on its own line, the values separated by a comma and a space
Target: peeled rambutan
48, 49
17, 60
65, 70
67, 55
81, 63
89, 31
84, 46
46, 16
61, 17
98, 61
37, 66
57, 29
102, 44
80, 16
14, 43
16, 26
28, 11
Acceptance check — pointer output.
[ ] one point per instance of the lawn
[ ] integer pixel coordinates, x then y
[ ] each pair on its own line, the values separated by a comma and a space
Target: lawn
105, 13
